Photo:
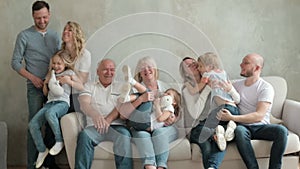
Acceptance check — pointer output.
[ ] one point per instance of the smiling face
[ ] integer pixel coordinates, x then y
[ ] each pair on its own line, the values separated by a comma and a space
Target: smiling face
147, 72
67, 34
106, 72
58, 65
41, 19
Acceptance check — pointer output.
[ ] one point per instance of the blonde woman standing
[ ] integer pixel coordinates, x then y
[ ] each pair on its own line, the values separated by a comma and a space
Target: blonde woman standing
74, 44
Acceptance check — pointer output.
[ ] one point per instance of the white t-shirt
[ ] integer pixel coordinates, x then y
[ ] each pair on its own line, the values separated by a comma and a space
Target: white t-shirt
154, 123
83, 64
251, 95
103, 100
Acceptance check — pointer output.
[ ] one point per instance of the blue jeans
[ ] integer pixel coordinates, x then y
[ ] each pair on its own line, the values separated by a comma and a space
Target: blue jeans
271, 132
35, 101
153, 146
89, 138
211, 155
140, 118
51, 112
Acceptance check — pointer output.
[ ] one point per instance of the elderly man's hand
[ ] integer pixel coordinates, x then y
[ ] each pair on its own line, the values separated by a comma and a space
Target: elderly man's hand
100, 124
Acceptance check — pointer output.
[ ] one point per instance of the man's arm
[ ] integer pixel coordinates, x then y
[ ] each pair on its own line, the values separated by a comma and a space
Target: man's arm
99, 121
254, 117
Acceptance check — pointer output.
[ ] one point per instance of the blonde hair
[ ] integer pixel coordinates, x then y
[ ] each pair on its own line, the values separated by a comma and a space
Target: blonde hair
78, 39
65, 57
147, 60
210, 59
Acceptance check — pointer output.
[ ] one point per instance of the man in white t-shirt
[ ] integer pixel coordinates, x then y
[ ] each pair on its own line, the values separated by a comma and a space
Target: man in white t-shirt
254, 120
98, 104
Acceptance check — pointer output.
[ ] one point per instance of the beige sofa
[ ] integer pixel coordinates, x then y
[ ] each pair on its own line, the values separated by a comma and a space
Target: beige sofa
186, 155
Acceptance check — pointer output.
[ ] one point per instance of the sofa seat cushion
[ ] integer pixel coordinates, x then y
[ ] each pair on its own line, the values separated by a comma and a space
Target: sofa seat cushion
179, 150
262, 148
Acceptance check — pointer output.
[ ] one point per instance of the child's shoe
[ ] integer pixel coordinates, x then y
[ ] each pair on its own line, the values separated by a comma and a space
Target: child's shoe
220, 138
58, 146
229, 133
41, 158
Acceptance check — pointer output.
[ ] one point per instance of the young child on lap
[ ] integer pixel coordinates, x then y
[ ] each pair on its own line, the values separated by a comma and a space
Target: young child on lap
56, 106
163, 111
209, 66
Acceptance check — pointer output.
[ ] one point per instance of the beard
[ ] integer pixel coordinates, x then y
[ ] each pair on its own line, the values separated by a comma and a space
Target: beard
247, 74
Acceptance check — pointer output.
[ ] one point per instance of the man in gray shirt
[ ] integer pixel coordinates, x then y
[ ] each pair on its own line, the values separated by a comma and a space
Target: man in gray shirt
35, 45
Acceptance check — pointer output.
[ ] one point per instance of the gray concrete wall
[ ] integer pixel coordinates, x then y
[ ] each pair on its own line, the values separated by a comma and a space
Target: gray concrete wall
234, 28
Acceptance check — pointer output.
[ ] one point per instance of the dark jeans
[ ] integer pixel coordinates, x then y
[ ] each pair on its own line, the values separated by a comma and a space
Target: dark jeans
211, 155
271, 132
212, 122
140, 118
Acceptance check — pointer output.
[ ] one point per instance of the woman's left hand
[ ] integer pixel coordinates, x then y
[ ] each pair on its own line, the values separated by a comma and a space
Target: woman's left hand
64, 79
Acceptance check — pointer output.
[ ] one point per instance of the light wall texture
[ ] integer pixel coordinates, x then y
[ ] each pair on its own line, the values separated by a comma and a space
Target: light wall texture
233, 28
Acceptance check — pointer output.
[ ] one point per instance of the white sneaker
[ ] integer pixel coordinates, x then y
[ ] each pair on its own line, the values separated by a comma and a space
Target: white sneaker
220, 140
41, 158
125, 93
229, 133
58, 146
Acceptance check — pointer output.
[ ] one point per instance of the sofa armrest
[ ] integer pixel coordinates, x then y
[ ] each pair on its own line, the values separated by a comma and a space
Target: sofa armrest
291, 115
71, 125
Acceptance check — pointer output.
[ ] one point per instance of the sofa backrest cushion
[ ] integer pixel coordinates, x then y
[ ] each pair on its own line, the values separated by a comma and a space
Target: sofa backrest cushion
280, 87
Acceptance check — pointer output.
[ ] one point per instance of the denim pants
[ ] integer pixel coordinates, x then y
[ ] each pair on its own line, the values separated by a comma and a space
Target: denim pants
211, 155
90, 137
140, 118
271, 132
35, 101
153, 146
51, 113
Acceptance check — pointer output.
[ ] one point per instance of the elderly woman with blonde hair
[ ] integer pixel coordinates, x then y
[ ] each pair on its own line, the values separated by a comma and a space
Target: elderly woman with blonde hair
153, 146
